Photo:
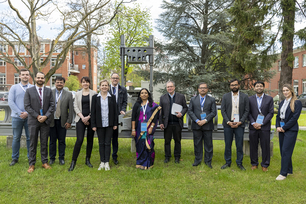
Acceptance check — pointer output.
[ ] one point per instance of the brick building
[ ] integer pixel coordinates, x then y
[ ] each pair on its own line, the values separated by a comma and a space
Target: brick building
76, 63
298, 74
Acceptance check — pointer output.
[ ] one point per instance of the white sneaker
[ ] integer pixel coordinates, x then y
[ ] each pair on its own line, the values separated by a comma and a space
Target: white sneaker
280, 178
289, 174
102, 165
107, 168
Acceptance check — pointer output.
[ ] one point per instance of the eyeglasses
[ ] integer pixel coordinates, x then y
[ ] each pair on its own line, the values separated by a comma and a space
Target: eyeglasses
115, 78
233, 85
203, 88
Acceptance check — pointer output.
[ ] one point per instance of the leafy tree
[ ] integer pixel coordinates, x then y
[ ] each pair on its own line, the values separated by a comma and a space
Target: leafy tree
72, 83
134, 23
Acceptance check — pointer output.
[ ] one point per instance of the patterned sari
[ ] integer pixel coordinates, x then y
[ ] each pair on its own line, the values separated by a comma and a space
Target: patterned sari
145, 142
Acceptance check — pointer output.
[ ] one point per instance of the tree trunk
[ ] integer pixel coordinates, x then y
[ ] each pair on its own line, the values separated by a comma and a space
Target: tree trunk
287, 58
89, 59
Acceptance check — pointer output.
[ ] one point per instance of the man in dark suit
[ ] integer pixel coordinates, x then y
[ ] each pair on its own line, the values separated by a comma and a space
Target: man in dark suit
121, 99
235, 110
39, 103
60, 121
261, 105
172, 124
202, 110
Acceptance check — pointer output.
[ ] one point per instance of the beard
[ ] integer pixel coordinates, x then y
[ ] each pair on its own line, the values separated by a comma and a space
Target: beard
259, 91
235, 90
40, 83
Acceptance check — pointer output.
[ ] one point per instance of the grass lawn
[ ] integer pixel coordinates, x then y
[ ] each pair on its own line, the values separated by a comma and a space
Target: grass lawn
165, 183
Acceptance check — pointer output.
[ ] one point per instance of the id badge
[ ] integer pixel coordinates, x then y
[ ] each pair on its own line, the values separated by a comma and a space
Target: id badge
282, 123
236, 118
41, 112
203, 116
143, 127
260, 119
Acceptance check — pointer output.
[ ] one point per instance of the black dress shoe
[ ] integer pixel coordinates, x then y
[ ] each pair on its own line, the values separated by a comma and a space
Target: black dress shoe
241, 167
196, 163
87, 162
166, 160
225, 166
72, 165
62, 162
51, 162
177, 160
208, 164
116, 162
14, 161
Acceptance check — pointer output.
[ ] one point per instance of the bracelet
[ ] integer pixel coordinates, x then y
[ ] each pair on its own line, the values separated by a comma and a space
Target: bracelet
133, 129
152, 126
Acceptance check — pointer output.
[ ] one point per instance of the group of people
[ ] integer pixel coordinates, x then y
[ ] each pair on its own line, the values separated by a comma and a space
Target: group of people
45, 112
39, 109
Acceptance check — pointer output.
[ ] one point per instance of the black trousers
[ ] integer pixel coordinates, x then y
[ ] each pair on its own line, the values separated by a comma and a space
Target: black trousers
80, 131
174, 130
115, 144
57, 133
262, 136
43, 129
105, 136
200, 136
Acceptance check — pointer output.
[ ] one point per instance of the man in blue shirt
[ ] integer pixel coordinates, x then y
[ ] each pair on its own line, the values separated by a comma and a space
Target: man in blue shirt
19, 115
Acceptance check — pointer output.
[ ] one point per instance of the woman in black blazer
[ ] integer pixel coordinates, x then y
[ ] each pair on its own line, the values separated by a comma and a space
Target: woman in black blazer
287, 127
104, 120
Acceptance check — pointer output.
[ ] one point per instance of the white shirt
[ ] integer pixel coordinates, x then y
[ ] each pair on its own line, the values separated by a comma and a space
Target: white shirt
235, 105
104, 109
42, 94
284, 108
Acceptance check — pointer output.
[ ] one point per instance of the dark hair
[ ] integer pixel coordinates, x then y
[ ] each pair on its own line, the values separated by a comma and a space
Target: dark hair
40, 73
60, 78
259, 82
85, 78
231, 81
150, 97
24, 70
202, 83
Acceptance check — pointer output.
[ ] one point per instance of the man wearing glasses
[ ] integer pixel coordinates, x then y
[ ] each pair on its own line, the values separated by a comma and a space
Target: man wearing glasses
235, 110
202, 110
121, 99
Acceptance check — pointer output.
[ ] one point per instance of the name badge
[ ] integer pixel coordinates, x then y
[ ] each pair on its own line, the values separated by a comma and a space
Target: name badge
143, 127
203, 116
41, 112
282, 123
236, 118
260, 119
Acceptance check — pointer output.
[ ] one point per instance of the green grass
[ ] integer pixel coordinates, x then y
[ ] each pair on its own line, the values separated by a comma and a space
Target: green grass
165, 183
301, 121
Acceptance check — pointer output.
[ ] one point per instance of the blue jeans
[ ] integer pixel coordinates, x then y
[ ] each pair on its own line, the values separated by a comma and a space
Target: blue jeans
17, 125
228, 138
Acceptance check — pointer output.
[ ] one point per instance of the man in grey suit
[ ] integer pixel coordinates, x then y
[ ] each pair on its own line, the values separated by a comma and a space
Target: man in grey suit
39, 103
202, 110
63, 115
235, 111
172, 124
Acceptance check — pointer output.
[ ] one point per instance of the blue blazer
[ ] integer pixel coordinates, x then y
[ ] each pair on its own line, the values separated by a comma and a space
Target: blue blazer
290, 117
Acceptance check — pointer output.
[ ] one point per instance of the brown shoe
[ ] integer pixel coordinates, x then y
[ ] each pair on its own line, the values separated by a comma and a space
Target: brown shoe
264, 169
31, 169
46, 166
254, 167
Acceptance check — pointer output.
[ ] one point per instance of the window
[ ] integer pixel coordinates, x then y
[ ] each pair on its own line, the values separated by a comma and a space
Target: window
58, 48
2, 48
296, 62
279, 65
2, 62
83, 53
76, 53
53, 62
83, 66
304, 60
41, 60
17, 79
304, 85
20, 48
42, 48
52, 81
296, 86
17, 62
2, 78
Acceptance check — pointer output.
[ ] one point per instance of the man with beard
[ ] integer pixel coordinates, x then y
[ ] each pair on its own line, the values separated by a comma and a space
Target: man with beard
260, 115
63, 115
39, 103
235, 110
121, 99
19, 115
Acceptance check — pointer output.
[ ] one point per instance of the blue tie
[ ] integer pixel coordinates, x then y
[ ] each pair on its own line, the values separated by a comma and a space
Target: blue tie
114, 90
202, 99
